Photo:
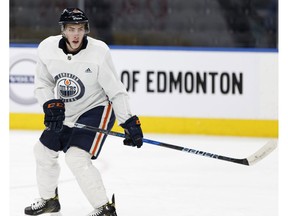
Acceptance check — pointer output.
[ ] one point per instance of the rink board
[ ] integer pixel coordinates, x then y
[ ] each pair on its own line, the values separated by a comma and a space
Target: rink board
174, 90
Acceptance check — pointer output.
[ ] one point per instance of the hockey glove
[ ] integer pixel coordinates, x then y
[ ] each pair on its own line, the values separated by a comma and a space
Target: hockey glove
54, 114
133, 132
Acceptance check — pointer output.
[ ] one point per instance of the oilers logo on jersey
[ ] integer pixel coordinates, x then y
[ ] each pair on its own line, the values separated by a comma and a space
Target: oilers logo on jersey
69, 87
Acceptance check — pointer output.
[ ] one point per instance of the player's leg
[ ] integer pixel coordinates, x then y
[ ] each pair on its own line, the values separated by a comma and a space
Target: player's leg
47, 170
47, 174
85, 145
87, 176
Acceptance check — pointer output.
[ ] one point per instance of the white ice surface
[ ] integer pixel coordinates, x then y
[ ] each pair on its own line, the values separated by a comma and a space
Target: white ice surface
156, 181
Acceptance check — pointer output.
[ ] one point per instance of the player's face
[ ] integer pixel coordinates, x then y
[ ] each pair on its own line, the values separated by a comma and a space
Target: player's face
74, 34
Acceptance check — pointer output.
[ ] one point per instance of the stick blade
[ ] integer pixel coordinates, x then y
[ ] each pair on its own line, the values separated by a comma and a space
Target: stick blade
262, 152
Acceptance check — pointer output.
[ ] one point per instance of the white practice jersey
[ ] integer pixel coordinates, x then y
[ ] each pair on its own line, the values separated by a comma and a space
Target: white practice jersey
83, 81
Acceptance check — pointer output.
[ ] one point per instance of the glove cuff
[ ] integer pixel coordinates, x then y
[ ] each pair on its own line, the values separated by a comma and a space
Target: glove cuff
132, 121
54, 104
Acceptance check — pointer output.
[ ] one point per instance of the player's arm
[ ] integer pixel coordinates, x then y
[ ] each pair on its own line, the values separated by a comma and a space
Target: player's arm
44, 83
54, 109
117, 93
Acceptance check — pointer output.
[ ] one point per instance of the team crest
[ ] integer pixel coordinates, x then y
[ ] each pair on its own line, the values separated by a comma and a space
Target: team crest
69, 87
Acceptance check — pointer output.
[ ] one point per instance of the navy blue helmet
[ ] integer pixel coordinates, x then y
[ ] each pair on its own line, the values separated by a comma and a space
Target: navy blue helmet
73, 16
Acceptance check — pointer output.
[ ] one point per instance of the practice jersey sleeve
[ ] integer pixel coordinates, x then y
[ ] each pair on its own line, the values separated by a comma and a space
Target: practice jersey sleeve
121, 108
114, 88
44, 83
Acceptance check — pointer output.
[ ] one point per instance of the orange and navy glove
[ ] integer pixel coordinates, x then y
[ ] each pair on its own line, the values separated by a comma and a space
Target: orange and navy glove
54, 111
133, 132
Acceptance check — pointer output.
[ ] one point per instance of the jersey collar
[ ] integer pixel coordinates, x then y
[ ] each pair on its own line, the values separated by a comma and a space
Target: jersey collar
62, 45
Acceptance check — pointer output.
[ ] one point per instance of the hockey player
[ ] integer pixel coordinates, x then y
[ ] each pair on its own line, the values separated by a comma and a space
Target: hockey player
76, 82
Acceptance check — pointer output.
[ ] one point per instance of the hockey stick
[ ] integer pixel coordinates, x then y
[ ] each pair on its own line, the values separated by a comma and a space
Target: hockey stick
252, 159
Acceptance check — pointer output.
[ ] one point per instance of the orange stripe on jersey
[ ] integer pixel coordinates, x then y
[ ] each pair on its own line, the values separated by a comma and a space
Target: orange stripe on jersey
103, 126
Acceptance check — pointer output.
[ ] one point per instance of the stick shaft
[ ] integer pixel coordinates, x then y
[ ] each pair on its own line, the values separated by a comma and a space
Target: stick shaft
166, 145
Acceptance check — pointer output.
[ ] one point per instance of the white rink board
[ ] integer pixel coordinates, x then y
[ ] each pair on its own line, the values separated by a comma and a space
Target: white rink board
148, 73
